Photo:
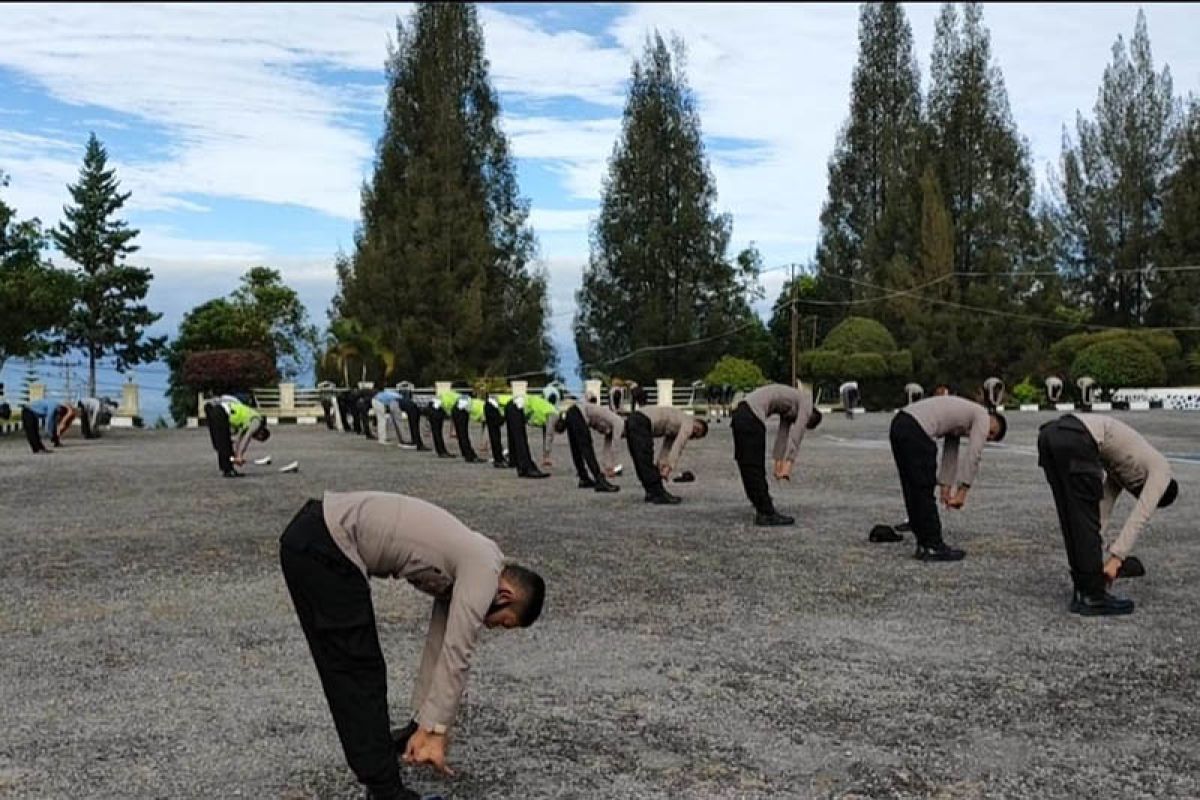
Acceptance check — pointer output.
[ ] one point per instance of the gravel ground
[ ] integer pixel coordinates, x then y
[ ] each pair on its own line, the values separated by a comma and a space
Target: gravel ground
148, 647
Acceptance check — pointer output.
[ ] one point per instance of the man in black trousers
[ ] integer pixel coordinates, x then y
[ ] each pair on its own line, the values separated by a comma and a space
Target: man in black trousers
327, 554
518, 440
577, 423
794, 407
914, 433
676, 428
1089, 459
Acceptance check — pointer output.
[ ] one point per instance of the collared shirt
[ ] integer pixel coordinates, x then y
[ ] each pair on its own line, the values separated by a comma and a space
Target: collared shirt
792, 406
674, 426
952, 418
392, 535
604, 421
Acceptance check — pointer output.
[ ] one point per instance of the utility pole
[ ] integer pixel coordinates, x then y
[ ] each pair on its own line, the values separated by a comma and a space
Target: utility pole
795, 322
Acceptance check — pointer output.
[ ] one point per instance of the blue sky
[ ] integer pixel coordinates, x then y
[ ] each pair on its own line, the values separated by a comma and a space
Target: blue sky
245, 131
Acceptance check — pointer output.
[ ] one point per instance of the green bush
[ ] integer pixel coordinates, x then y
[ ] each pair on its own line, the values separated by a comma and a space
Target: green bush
1027, 392
859, 335
1163, 343
1193, 361
739, 373
826, 365
900, 364
864, 367
1120, 362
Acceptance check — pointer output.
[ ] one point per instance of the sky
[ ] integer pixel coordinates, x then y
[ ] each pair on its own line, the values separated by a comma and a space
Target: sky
244, 132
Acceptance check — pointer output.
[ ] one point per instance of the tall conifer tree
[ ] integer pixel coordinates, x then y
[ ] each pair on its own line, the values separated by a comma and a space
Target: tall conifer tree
869, 218
108, 317
443, 264
1114, 178
658, 273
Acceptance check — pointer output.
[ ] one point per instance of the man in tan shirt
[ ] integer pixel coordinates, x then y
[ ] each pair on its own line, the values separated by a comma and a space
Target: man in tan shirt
794, 407
327, 553
1089, 459
676, 428
578, 422
914, 433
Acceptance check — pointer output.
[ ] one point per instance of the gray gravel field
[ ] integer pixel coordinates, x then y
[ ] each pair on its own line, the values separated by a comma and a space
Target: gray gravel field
148, 648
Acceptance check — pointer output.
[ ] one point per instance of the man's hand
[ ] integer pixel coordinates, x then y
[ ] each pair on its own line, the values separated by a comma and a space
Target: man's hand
1111, 567
238, 461
546, 462
946, 494
427, 747
959, 499
783, 470
664, 470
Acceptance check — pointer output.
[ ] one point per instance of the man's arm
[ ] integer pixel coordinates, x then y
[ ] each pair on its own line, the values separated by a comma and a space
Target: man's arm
429, 656
677, 445
975, 442
548, 434
1147, 502
246, 436
1112, 490
949, 470
471, 598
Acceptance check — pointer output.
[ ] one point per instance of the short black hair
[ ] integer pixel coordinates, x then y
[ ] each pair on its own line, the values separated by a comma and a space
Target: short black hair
532, 587
5, 410
814, 419
1003, 426
560, 424
1169, 495
703, 427
262, 434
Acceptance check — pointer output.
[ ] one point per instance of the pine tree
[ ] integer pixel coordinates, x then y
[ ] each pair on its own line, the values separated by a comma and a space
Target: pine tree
869, 216
443, 264
1113, 182
108, 317
985, 177
1176, 293
658, 273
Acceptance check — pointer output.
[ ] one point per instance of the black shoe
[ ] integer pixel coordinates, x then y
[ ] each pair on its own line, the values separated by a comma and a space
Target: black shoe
1102, 604
1131, 567
687, 477
472, 459
938, 552
904, 527
500, 465
232, 473
663, 498
533, 473
587, 483
447, 455
422, 448
398, 793
773, 519
604, 486
884, 533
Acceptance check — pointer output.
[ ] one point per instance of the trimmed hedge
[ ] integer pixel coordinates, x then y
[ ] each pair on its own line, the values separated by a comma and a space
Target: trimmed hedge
1163, 343
859, 335
739, 373
865, 366
1120, 362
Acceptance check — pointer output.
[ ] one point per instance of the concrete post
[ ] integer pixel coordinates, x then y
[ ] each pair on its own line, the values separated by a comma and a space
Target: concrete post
287, 397
441, 387
666, 386
591, 388
519, 388
130, 400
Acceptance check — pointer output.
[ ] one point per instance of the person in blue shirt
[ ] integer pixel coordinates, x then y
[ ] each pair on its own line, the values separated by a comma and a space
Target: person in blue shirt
42, 417
396, 404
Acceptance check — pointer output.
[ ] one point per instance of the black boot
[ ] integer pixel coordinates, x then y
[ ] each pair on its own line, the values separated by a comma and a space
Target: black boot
232, 473
603, 485
663, 498
772, 519
533, 472
1100, 604
587, 483
447, 455
938, 552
